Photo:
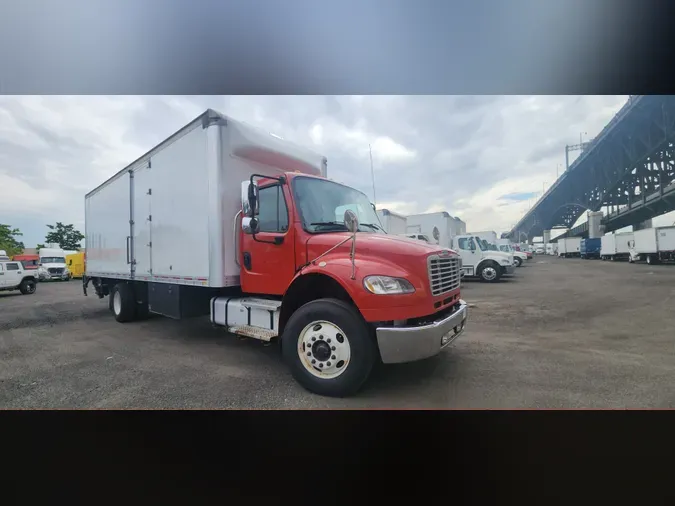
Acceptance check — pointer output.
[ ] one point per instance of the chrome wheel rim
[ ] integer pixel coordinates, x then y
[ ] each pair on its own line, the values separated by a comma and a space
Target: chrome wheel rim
117, 303
489, 273
324, 350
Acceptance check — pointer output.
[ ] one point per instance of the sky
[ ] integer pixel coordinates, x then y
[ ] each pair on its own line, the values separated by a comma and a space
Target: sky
485, 159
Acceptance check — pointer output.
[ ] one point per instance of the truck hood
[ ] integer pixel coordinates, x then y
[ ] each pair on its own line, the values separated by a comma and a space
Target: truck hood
370, 244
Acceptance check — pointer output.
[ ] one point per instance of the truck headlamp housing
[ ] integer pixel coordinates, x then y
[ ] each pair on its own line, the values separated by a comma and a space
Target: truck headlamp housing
386, 285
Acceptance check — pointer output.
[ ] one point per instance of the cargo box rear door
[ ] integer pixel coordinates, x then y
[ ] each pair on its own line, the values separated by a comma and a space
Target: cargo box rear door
107, 229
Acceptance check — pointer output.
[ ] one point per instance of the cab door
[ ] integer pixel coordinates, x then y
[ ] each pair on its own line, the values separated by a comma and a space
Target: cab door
466, 247
268, 257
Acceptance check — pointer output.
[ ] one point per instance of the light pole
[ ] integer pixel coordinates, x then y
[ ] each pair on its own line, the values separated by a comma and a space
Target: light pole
581, 140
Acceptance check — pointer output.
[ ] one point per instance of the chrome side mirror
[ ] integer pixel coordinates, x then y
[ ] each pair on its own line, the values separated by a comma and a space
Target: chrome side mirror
249, 198
351, 221
250, 226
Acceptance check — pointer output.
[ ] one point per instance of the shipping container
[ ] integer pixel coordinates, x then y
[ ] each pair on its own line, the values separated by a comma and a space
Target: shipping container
616, 246
590, 248
653, 245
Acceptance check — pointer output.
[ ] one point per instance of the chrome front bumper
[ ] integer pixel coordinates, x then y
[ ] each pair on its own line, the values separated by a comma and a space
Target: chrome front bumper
408, 344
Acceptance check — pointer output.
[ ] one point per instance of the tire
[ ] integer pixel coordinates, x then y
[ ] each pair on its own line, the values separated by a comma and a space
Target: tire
328, 319
123, 302
652, 259
518, 261
489, 272
28, 287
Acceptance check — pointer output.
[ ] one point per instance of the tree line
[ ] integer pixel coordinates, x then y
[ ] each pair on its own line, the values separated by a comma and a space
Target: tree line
66, 236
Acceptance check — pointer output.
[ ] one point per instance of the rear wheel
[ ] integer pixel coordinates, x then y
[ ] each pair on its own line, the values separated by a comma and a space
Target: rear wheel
652, 259
329, 348
123, 303
518, 261
490, 272
28, 287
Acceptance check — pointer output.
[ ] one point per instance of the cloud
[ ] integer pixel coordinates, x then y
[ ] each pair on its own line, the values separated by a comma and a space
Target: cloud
517, 197
483, 158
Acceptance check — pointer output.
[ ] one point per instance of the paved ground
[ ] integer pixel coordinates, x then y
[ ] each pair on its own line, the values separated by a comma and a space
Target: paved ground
563, 333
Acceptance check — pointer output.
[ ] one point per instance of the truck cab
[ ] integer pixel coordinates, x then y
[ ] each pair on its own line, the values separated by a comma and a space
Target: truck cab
13, 276
52, 265
478, 261
504, 245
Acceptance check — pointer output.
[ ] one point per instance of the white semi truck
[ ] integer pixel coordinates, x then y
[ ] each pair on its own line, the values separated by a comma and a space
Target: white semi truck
52, 265
654, 245
392, 223
226, 220
616, 246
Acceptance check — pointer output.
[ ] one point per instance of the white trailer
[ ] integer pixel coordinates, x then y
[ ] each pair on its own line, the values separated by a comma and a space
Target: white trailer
569, 247
392, 223
616, 246
437, 226
653, 245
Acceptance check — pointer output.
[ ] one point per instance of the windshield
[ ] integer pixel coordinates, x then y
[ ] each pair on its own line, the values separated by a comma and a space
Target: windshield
506, 248
53, 260
322, 205
482, 244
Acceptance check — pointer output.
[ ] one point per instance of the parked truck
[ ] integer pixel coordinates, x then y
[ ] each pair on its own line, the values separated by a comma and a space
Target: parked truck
29, 262
654, 245
590, 248
505, 246
615, 246
569, 247
478, 261
225, 220
437, 226
75, 263
52, 265
392, 223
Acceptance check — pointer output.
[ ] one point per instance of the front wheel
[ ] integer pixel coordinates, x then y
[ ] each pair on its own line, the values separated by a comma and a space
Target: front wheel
27, 287
518, 261
490, 273
329, 348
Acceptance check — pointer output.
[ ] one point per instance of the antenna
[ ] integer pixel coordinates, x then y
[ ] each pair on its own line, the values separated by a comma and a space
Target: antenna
372, 173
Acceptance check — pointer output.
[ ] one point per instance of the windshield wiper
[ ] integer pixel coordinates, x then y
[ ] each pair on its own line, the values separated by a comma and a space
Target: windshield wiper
371, 225
328, 224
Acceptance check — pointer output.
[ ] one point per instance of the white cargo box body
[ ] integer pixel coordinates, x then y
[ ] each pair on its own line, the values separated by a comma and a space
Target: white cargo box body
488, 235
392, 223
615, 244
437, 226
170, 215
654, 240
569, 245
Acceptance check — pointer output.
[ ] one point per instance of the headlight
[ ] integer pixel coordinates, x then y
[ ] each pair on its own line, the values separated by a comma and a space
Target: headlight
385, 285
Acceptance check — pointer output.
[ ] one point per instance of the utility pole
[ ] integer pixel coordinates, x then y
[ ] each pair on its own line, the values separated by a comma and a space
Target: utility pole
372, 173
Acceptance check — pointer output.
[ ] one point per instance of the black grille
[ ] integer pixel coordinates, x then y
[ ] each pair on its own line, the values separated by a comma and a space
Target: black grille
444, 274
55, 270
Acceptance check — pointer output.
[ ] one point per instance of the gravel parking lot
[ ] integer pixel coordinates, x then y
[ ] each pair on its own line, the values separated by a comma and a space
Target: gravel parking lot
561, 333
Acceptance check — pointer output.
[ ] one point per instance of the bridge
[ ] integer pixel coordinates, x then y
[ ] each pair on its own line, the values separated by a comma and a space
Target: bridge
628, 170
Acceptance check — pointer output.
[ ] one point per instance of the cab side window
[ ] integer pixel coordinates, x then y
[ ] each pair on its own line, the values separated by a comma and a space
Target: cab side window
466, 243
273, 213
12, 267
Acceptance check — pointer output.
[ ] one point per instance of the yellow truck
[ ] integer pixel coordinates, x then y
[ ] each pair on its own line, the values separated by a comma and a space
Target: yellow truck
75, 263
